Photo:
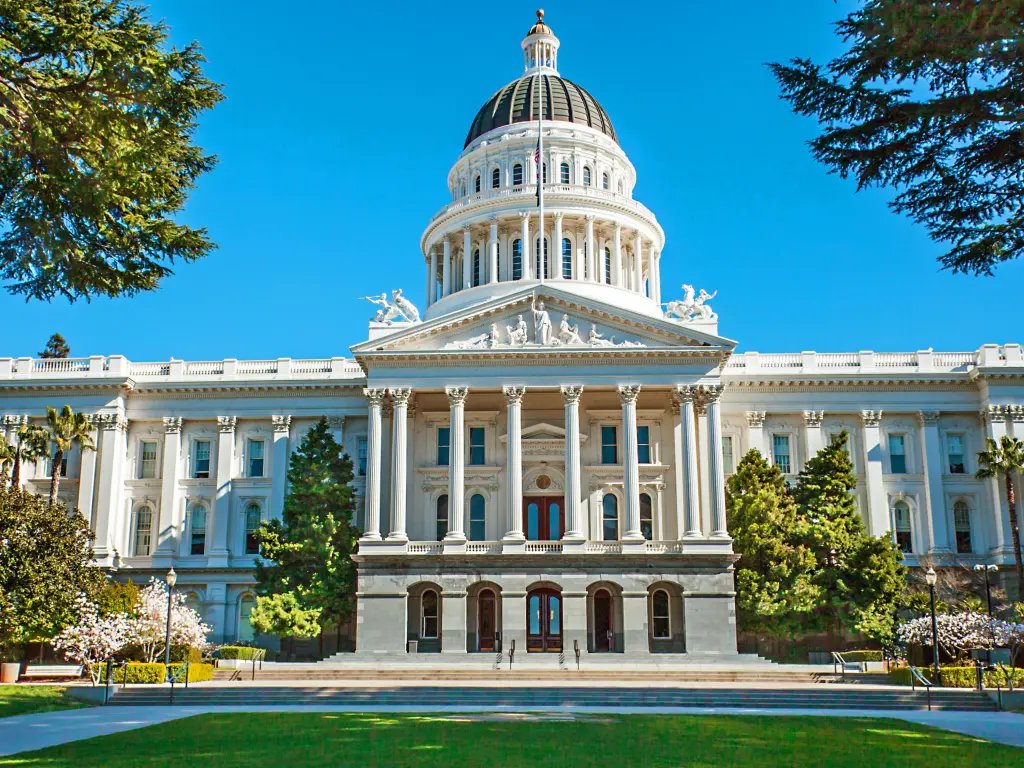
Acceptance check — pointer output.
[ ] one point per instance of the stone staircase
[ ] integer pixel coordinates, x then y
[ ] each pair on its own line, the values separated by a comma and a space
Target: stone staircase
534, 698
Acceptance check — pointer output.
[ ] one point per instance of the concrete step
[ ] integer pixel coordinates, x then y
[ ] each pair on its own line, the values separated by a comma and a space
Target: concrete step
831, 697
504, 673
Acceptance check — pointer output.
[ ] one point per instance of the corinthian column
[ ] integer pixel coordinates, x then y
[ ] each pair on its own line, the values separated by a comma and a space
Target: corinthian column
631, 477
456, 464
432, 278
514, 465
399, 457
617, 257
526, 251
467, 259
592, 273
638, 263
446, 267
712, 397
375, 398
573, 502
689, 491
556, 252
492, 253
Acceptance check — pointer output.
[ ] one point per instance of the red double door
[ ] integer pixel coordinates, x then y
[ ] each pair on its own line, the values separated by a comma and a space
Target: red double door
544, 518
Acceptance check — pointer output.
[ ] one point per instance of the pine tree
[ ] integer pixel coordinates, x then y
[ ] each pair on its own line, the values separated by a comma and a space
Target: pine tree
56, 347
310, 548
861, 578
774, 587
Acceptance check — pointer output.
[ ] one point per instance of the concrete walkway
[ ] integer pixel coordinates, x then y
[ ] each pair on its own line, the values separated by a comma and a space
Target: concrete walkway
30, 732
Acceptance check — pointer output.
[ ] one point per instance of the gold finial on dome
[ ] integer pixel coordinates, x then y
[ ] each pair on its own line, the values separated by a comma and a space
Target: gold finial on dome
540, 14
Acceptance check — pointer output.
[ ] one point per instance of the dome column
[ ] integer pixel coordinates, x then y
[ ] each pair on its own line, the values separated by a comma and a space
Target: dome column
655, 275
432, 279
617, 276
591, 264
638, 263
446, 267
467, 259
526, 252
556, 252
492, 252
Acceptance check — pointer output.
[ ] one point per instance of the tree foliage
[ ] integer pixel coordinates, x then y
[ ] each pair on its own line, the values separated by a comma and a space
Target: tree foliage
310, 548
928, 99
774, 585
282, 614
56, 347
67, 429
32, 443
97, 116
118, 597
1004, 460
45, 556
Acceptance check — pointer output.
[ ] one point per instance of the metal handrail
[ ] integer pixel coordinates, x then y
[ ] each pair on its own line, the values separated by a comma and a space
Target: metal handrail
511, 652
916, 676
258, 656
174, 677
576, 648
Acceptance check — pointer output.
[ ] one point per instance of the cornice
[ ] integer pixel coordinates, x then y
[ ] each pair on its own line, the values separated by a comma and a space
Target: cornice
869, 383
187, 391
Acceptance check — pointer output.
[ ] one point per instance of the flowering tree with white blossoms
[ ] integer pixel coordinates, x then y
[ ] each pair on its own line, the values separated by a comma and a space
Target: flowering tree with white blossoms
959, 633
150, 626
94, 638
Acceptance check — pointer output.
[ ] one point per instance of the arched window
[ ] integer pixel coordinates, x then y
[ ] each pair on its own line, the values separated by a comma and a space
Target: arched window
660, 615
566, 258
476, 267
536, 258
477, 518
517, 260
245, 630
962, 526
495, 178
517, 175
462, 189
476, 183
192, 601
143, 531
610, 517
646, 516
197, 529
901, 524
563, 173
605, 181
252, 524
428, 615
608, 265
586, 177
442, 516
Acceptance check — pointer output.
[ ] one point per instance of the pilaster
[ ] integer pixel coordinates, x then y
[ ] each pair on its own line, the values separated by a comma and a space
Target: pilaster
219, 552
878, 504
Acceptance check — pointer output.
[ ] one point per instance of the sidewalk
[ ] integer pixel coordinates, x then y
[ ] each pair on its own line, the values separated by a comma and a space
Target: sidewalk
30, 732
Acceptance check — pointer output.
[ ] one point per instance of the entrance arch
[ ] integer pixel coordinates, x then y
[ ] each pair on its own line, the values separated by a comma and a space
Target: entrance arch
544, 621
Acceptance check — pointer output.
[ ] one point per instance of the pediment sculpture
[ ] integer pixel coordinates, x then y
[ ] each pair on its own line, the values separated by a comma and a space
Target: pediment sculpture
691, 307
396, 308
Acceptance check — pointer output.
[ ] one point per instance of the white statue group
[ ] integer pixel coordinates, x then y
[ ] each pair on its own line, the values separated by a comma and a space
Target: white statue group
691, 307
398, 308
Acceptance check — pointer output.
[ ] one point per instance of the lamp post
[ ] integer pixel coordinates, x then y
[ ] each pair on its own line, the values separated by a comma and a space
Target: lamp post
172, 577
931, 577
987, 569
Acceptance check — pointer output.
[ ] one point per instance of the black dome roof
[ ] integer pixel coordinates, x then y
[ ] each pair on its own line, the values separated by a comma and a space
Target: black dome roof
517, 103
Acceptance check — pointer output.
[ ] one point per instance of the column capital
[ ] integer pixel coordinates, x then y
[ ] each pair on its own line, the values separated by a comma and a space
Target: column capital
493, 220
813, 418
558, 216
282, 423
618, 228
993, 414
684, 393
1016, 413
571, 394
227, 423
590, 218
871, 418
456, 395
711, 393
172, 425
400, 395
628, 393
466, 230
525, 215
514, 395
446, 238
755, 418
335, 422
375, 396
109, 422
928, 417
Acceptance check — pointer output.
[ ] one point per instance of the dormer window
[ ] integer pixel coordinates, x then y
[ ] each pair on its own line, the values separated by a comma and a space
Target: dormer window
517, 175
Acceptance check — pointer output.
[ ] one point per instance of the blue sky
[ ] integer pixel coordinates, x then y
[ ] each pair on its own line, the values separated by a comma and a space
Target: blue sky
341, 122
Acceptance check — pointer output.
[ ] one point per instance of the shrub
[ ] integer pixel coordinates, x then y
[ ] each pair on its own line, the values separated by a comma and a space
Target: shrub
197, 672
238, 652
856, 656
186, 653
959, 677
145, 673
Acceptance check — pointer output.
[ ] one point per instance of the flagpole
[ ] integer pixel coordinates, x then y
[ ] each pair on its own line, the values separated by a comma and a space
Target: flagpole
540, 177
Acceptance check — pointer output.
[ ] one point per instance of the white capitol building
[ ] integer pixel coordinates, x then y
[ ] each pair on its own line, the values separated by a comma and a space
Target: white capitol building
540, 458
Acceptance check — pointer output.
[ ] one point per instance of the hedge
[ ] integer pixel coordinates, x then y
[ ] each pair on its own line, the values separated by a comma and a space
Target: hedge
959, 677
856, 656
186, 653
243, 652
141, 672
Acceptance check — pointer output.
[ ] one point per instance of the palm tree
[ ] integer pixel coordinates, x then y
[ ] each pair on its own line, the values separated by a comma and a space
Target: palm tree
33, 443
6, 458
66, 429
1006, 458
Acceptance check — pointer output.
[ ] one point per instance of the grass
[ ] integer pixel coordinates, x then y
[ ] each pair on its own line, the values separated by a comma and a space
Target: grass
28, 699
298, 740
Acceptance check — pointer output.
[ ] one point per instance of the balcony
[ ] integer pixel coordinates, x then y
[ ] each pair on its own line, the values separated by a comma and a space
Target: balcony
545, 548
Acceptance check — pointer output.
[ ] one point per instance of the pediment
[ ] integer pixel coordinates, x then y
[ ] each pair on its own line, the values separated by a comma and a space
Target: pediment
544, 319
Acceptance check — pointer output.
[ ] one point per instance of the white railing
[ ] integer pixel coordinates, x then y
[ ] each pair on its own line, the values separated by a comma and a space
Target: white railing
483, 547
249, 367
60, 365
425, 548
925, 361
954, 360
838, 360
895, 359
206, 368
151, 369
116, 365
538, 547
602, 547
311, 366
663, 547
781, 361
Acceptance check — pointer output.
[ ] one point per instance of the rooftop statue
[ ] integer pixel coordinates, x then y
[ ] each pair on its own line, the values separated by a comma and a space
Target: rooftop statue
398, 308
691, 307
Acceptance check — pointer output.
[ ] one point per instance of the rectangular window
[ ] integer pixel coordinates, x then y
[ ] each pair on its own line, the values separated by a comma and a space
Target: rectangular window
476, 446
609, 446
444, 441
201, 459
962, 523
143, 531
643, 445
147, 461
904, 539
361, 456
727, 455
254, 452
780, 451
897, 455
197, 534
955, 449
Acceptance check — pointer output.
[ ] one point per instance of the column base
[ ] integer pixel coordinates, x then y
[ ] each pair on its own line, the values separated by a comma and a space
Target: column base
370, 537
397, 537
513, 546
575, 546
634, 546
454, 546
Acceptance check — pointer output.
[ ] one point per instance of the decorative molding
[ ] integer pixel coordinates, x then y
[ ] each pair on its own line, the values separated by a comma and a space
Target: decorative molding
871, 418
400, 395
456, 395
813, 418
686, 394
571, 394
1016, 413
628, 393
282, 424
336, 422
111, 421
993, 414
928, 417
172, 425
710, 393
227, 423
375, 396
755, 418
514, 395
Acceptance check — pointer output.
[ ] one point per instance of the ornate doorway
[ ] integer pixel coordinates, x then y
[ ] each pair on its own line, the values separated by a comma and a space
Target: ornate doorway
603, 637
544, 518
544, 621
486, 608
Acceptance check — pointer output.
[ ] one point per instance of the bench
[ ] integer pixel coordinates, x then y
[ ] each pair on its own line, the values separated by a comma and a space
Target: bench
51, 670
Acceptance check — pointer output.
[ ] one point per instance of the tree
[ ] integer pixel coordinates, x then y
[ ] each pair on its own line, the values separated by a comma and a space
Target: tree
1004, 460
283, 615
67, 429
56, 347
928, 99
310, 548
45, 564
118, 597
93, 638
33, 443
774, 585
861, 578
97, 116
8, 453
149, 627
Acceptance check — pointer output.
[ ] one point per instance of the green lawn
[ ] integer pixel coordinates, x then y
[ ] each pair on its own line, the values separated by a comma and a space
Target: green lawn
297, 740
26, 699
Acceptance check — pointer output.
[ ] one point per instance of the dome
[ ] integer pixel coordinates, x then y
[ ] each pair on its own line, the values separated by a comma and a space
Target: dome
564, 101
